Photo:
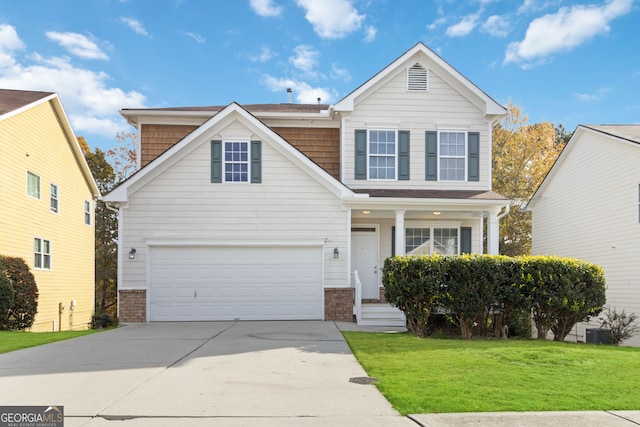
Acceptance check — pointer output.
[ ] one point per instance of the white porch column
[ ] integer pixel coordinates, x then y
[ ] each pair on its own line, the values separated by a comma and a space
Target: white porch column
400, 247
493, 233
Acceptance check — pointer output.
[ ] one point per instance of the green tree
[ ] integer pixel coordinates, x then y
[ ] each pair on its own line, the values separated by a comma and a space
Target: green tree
522, 156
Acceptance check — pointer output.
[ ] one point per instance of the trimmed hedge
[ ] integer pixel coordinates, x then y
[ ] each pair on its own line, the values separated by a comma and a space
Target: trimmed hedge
479, 292
25, 305
7, 297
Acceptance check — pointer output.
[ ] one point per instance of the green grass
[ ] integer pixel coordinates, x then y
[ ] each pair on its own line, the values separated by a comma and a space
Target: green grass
16, 340
452, 375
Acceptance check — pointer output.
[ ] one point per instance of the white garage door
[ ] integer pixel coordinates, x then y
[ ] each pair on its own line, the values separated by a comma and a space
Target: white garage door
227, 283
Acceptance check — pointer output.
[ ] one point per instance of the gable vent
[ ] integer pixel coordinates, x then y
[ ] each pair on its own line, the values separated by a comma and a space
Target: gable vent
417, 78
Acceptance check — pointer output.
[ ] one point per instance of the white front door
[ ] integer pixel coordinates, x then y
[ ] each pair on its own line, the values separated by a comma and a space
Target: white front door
364, 259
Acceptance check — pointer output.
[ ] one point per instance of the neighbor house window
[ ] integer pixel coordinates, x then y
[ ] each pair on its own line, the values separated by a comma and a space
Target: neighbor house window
382, 154
33, 185
453, 156
236, 161
87, 212
42, 253
54, 198
419, 241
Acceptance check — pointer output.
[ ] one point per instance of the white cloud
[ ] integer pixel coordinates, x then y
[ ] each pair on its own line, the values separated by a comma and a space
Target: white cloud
370, 33
340, 73
90, 103
464, 27
265, 8
592, 97
197, 37
437, 23
303, 92
305, 59
564, 30
496, 25
135, 25
332, 19
77, 45
265, 54
9, 43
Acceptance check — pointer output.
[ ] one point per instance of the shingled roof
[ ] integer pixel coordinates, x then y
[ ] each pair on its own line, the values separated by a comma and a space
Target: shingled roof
11, 100
252, 108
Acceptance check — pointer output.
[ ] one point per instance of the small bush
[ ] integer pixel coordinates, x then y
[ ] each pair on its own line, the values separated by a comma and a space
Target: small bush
7, 298
25, 305
104, 320
622, 325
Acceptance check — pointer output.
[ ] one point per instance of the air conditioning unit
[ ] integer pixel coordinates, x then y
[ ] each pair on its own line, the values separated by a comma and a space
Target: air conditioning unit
599, 336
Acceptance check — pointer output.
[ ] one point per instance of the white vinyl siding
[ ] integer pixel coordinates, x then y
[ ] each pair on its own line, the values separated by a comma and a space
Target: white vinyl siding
443, 108
595, 188
180, 204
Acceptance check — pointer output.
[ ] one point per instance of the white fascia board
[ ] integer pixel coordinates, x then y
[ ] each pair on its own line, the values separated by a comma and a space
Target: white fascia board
387, 203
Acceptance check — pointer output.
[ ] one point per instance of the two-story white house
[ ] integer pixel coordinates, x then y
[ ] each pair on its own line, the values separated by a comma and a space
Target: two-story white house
265, 212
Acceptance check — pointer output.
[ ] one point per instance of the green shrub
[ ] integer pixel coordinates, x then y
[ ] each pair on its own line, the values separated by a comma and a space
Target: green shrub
7, 298
482, 294
622, 325
25, 305
104, 320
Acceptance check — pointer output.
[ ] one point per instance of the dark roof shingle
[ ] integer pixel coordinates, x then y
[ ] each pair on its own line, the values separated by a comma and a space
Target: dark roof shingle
11, 100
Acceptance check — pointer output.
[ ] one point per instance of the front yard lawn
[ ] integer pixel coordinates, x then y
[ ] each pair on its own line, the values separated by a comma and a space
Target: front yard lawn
453, 375
16, 340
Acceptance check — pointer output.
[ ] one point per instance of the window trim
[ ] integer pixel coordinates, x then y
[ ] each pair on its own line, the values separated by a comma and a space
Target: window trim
51, 198
224, 160
465, 158
29, 173
432, 226
87, 212
42, 254
395, 155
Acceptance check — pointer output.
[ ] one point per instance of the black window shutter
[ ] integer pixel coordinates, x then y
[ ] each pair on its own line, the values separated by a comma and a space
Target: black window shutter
361, 154
403, 154
474, 157
216, 161
393, 240
256, 162
465, 240
431, 173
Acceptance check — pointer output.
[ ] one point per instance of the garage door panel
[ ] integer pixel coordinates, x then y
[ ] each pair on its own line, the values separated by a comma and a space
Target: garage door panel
247, 283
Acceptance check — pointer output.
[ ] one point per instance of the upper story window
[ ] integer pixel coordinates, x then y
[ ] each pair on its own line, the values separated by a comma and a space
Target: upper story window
382, 154
417, 79
236, 161
87, 212
33, 185
452, 156
54, 198
42, 253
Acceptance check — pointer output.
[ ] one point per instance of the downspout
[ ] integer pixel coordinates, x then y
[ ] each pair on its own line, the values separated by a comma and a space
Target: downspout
507, 209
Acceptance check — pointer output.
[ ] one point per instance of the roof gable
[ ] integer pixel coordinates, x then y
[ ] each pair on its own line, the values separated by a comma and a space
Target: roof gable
13, 102
420, 53
629, 134
211, 127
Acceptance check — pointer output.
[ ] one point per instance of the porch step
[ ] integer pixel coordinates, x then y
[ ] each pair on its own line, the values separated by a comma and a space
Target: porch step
381, 314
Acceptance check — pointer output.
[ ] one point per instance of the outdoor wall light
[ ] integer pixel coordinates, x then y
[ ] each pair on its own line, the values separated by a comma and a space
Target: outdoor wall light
132, 253
336, 253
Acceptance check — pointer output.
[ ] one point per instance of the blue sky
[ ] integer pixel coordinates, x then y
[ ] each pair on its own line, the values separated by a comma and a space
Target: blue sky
566, 62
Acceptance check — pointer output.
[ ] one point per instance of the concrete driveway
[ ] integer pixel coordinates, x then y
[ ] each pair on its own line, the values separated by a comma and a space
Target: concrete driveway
197, 374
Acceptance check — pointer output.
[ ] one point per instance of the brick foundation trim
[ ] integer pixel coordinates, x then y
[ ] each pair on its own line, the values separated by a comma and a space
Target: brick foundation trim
133, 305
338, 304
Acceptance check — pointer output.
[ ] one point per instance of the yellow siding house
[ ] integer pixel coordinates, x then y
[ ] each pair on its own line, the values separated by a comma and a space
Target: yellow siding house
47, 196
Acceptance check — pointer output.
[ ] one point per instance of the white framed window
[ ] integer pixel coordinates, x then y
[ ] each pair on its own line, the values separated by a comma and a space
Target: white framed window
33, 185
425, 239
41, 254
87, 212
382, 149
452, 155
236, 161
53, 195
